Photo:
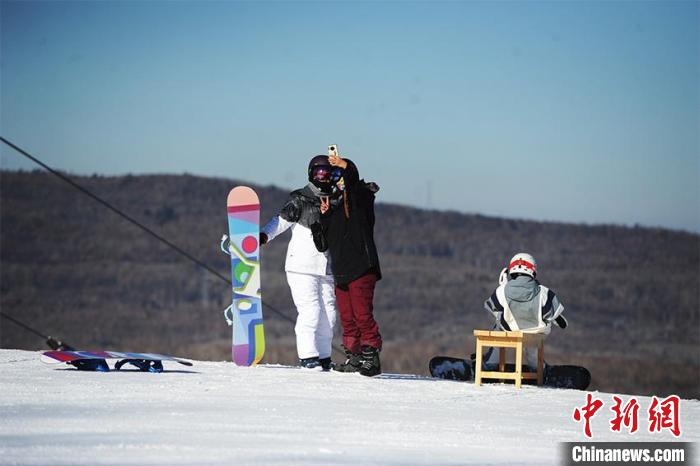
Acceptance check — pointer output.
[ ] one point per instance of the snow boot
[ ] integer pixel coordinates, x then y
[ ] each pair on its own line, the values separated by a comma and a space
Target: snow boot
370, 362
352, 363
311, 363
327, 364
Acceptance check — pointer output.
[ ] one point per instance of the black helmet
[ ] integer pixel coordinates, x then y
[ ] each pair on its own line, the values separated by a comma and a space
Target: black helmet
320, 169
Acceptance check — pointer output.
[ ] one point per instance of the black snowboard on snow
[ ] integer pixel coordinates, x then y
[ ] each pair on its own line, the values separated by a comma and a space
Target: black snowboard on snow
445, 367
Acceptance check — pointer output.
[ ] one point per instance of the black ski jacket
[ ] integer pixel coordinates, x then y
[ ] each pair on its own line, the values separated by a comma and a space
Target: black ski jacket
348, 228
304, 207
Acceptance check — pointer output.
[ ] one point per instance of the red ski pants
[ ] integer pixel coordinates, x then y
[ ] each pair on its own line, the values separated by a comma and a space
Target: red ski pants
354, 302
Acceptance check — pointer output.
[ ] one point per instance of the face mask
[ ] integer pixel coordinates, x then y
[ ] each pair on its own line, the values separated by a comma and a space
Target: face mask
324, 186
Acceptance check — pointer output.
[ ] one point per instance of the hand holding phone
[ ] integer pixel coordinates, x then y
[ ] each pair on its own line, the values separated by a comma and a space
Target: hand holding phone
334, 157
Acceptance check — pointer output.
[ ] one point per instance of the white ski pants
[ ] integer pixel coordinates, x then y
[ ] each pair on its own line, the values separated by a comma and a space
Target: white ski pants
314, 297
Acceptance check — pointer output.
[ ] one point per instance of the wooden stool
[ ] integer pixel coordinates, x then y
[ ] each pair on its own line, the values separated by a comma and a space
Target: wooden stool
503, 340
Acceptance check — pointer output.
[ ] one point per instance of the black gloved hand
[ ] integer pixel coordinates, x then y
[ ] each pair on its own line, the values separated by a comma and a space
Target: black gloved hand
561, 321
263, 238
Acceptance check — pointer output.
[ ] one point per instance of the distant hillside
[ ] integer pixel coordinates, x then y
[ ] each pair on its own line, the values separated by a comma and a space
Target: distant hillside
73, 269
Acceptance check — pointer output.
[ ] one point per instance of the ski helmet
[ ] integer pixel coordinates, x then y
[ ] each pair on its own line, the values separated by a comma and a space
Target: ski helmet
523, 263
320, 169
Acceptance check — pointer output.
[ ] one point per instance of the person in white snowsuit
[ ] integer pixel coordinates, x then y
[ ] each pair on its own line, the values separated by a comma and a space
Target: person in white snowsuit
521, 303
308, 271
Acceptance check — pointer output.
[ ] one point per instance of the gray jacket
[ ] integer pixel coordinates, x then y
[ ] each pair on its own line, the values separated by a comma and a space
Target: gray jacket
523, 304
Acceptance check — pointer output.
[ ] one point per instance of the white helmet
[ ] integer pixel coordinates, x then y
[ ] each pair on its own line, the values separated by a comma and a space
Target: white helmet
523, 263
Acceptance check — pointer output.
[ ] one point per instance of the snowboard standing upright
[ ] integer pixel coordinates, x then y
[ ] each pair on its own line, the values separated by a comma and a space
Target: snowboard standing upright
245, 313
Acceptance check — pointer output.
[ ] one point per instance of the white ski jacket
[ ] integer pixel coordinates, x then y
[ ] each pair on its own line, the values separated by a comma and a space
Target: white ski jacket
302, 255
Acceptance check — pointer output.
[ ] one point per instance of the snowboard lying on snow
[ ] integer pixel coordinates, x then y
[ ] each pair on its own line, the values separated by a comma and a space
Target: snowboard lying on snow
445, 367
96, 360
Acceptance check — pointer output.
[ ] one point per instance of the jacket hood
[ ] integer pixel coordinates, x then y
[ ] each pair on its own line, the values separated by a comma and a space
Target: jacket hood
522, 289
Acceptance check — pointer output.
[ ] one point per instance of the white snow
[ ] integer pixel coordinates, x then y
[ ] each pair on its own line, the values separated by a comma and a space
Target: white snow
218, 413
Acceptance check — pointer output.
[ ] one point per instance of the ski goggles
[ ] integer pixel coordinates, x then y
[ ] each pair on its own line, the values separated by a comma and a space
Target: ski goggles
322, 173
336, 174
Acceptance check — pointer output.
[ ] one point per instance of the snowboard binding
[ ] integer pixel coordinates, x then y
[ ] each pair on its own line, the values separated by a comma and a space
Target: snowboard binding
225, 245
228, 315
98, 365
142, 364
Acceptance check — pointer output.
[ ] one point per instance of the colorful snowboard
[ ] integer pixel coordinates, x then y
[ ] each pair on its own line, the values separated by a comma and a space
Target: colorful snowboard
445, 367
243, 209
76, 357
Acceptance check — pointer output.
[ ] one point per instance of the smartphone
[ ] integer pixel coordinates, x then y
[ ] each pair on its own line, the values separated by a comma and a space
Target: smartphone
333, 150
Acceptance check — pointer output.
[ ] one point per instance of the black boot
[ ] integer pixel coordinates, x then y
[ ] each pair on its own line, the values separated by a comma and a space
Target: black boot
352, 363
370, 362
327, 364
310, 363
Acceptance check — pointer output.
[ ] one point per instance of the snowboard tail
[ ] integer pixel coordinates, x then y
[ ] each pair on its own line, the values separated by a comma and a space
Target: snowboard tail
248, 342
575, 377
565, 376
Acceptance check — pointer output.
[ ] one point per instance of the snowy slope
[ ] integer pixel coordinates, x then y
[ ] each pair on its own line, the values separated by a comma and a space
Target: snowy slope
217, 413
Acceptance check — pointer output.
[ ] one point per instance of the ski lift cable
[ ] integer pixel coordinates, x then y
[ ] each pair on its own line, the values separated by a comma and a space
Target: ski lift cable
126, 217
115, 210
51, 341
23, 325
137, 224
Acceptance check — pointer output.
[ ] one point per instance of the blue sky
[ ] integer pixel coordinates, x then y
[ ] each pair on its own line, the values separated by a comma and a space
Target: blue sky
566, 111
